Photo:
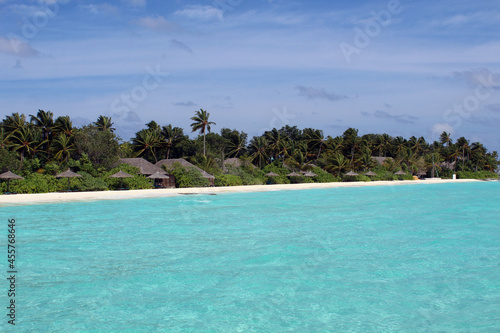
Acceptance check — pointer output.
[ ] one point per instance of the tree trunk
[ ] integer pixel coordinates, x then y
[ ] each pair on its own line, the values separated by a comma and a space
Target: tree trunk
204, 143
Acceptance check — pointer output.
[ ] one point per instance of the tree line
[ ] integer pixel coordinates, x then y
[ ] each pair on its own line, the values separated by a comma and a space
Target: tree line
44, 143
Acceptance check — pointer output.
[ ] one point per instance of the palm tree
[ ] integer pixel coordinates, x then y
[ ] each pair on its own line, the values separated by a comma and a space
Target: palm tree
258, 150
171, 135
202, 124
4, 138
315, 138
64, 125
26, 141
44, 121
464, 144
338, 163
104, 123
277, 143
237, 148
146, 141
14, 122
62, 146
445, 138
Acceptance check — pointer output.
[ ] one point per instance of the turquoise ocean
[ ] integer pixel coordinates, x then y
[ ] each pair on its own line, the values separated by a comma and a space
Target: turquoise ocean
412, 258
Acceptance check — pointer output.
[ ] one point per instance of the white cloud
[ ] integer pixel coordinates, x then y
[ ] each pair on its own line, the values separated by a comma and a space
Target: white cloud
17, 47
156, 23
198, 12
104, 8
313, 93
439, 128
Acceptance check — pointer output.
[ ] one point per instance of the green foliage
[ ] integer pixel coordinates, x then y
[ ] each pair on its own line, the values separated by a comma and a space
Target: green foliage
9, 161
189, 177
89, 183
476, 175
100, 146
228, 180
139, 182
323, 176
31, 165
359, 178
34, 183
278, 169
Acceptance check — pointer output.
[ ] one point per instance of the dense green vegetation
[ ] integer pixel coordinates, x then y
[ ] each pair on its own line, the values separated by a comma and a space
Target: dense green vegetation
40, 146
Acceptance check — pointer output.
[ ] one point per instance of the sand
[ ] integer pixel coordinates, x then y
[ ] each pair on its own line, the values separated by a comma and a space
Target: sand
44, 198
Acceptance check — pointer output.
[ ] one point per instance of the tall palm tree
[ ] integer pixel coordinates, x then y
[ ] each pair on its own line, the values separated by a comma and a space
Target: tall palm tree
201, 124
445, 139
104, 123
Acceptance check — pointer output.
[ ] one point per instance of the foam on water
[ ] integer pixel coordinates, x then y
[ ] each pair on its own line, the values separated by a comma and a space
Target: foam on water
369, 259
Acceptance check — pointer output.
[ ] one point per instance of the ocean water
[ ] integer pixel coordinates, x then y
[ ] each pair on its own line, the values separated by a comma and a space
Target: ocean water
414, 258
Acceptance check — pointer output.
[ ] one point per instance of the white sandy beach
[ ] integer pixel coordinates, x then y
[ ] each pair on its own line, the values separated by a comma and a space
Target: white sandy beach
42, 198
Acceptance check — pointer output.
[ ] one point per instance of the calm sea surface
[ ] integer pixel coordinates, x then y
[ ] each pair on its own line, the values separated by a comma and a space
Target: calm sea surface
415, 258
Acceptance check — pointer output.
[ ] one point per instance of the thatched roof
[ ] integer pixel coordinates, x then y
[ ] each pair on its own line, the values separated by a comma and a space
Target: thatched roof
380, 159
271, 174
145, 167
294, 174
10, 175
235, 162
351, 173
370, 173
400, 173
310, 174
158, 175
68, 174
121, 174
170, 162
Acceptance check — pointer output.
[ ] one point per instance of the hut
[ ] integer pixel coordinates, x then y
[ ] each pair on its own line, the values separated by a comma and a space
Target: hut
147, 169
168, 163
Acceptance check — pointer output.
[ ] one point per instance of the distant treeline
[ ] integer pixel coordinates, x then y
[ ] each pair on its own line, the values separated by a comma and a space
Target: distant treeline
43, 144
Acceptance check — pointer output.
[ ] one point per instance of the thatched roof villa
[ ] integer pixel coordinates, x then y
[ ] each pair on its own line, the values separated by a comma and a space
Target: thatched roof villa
147, 168
168, 163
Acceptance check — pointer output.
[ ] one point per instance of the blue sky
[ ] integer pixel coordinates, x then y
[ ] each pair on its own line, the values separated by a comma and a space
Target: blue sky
398, 67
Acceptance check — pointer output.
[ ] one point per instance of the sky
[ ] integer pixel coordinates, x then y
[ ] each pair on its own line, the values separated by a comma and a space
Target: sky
401, 67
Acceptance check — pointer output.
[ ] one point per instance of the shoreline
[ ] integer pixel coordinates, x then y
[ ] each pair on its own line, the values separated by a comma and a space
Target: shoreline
60, 197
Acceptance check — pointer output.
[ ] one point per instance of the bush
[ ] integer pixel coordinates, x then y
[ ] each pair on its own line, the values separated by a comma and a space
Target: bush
359, 178
89, 183
189, 177
139, 182
228, 180
476, 175
323, 176
34, 183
